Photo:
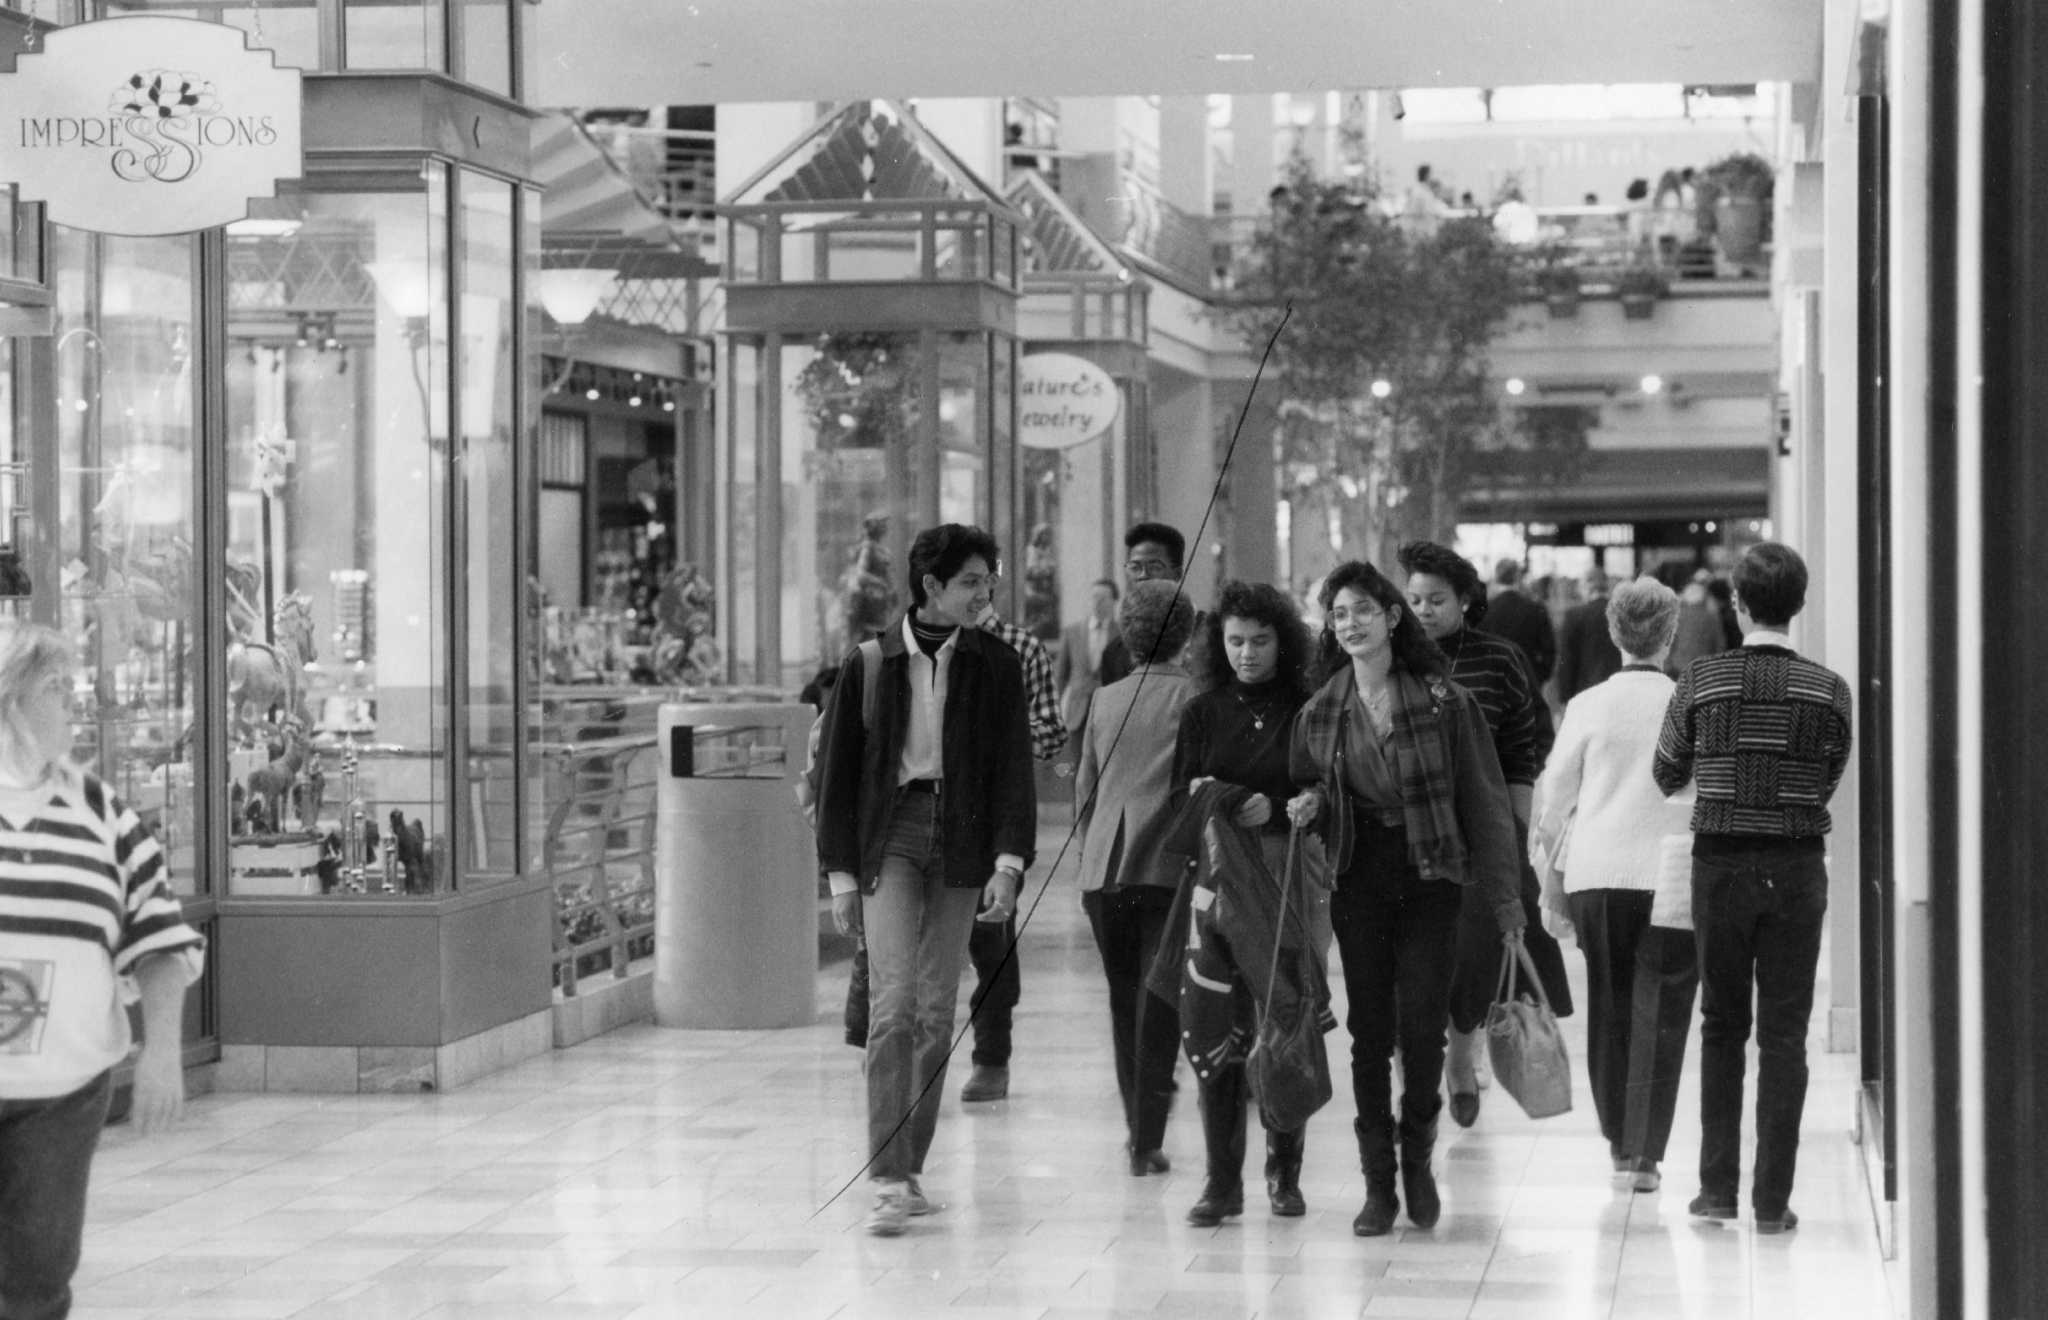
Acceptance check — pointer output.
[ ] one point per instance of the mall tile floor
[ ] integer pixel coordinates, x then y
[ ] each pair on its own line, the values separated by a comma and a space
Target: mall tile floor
654, 1173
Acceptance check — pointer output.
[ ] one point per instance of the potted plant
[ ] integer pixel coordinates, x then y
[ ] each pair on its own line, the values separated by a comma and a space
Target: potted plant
1640, 286
1558, 283
1735, 199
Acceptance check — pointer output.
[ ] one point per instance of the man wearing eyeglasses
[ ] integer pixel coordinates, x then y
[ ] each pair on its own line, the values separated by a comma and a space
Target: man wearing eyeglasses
1153, 552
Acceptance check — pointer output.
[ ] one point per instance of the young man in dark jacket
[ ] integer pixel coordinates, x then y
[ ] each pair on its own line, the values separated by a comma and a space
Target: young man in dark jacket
922, 819
1764, 734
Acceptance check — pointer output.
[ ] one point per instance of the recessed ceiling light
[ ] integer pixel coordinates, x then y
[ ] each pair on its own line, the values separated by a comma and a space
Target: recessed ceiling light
1228, 57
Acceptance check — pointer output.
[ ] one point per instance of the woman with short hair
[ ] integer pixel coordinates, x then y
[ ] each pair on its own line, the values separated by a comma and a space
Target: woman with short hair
1602, 825
88, 925
1123, 787
1399, 776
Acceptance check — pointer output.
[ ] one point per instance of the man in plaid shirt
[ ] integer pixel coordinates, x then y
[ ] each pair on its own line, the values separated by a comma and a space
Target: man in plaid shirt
991, 947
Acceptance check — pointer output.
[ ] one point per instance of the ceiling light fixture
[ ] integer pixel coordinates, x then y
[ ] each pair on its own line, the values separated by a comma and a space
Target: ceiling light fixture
1232, 57
1653, 384
1516, 386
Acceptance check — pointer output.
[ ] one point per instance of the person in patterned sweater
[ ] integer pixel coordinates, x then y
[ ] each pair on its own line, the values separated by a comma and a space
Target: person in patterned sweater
1763, 733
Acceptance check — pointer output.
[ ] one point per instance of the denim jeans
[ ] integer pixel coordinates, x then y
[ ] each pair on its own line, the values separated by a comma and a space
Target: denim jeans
1397, 934
1757, 919
1144, 1029
46, 1151
917, 940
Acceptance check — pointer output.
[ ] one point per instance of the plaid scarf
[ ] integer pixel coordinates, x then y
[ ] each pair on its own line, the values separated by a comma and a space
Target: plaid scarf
1422, 764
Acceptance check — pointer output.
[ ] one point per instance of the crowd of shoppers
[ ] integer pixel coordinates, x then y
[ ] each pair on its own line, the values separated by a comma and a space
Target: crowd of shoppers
1391, 788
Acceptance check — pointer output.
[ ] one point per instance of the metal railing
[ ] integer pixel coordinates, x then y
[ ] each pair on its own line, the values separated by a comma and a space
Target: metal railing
599, 854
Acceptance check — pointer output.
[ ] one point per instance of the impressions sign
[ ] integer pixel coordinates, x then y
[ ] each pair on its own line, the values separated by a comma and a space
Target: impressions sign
148, 125
1063, 400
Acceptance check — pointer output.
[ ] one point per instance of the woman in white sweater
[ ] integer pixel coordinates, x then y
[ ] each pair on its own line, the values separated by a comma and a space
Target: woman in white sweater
1599, 829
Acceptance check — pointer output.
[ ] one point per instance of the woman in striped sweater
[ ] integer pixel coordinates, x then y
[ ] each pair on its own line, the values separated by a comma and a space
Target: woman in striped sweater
1446, 595
88, 924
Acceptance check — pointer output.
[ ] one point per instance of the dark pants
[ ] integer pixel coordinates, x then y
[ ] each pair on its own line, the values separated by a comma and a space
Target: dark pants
1639, 991
1128, 924
998, 985
1479, 950
1397, 935
1757, 918
46, 1151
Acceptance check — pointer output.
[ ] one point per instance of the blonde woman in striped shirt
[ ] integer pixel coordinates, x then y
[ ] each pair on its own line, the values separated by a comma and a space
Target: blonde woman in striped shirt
88, 924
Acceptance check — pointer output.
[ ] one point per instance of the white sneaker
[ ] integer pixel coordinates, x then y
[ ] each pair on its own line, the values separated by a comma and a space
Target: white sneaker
891, 1212
913, 1200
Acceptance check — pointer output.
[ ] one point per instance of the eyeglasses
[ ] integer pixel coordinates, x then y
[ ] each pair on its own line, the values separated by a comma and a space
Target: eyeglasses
1364, 614
1148, 570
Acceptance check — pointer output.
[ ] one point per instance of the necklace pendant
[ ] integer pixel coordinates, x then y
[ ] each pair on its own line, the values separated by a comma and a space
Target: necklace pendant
1258, 723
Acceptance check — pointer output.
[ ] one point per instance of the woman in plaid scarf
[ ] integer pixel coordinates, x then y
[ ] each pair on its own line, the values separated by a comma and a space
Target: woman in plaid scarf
1400, 778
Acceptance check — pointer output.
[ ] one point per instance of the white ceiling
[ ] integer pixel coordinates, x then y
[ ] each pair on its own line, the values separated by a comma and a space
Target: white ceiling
656, 52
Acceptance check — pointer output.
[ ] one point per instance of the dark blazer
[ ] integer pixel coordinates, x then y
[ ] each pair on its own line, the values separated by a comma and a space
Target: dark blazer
1585, 653
988, 805
1526, 623
1116, 661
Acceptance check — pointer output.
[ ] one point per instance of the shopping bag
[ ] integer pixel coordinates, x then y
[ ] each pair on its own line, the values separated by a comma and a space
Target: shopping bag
1289, 1066
1523, 1041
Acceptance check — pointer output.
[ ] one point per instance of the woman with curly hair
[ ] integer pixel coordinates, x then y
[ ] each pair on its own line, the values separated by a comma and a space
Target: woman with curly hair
1250, 666
1400, 778
1448, 600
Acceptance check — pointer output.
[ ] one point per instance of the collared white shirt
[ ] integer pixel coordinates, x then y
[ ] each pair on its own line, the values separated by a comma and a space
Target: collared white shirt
1766, 637
923, 752
1098, 638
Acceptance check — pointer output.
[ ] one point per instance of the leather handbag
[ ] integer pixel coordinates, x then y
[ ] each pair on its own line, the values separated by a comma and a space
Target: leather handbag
1289, 1066
1523, 1041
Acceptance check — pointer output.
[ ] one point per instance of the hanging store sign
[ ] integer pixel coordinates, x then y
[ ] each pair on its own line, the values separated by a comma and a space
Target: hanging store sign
1063, 400
148, 125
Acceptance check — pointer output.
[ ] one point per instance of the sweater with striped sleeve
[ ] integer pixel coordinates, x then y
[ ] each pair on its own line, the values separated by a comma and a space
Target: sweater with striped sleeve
1765, 734
1496, 673
84, 898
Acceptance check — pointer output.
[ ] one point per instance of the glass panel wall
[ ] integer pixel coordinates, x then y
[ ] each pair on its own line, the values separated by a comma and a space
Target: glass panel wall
487, 43
395, 34
338, 575
485, 365
289, 27
111, 537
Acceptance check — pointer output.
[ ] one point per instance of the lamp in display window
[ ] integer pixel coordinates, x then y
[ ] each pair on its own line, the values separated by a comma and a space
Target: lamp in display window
570, 296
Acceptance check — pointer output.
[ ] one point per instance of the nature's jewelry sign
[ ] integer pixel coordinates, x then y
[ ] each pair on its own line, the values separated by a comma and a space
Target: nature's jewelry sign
148, 125
1063, 400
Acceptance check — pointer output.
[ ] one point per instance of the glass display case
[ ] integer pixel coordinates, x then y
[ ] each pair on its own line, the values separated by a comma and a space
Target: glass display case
368, 363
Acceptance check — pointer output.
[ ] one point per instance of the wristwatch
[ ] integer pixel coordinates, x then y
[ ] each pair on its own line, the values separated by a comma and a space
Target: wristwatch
1012, 872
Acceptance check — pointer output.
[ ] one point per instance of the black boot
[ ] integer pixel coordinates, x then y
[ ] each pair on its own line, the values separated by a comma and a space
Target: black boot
1283, 1172
1376, 1158
1221, 1101
1418, 1182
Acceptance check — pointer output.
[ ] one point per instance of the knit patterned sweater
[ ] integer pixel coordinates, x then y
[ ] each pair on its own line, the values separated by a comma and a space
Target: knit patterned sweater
1765, 733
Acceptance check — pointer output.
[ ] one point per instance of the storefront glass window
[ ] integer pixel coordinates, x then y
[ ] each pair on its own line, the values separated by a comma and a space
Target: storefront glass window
963, 433
111, 563
338, 460
395, 34
485, 365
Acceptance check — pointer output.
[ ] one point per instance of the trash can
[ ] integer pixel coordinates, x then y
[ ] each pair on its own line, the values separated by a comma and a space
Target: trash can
736, 869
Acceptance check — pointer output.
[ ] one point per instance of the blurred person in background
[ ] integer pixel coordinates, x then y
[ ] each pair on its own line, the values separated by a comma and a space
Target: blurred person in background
1510, 613
1585, 652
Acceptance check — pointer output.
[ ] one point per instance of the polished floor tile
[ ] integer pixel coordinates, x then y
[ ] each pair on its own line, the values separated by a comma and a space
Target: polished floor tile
651, 1174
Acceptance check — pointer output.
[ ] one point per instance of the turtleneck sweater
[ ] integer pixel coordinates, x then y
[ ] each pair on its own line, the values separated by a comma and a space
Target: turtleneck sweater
1221, 738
